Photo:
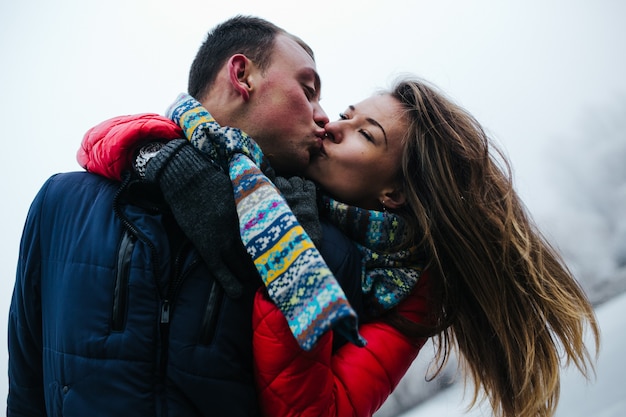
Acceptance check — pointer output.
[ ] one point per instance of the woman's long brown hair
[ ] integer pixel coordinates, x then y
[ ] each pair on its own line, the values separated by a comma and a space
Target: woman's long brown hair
507, 301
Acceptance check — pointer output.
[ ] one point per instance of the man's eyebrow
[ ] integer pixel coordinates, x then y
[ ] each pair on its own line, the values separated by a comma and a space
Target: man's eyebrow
374, 123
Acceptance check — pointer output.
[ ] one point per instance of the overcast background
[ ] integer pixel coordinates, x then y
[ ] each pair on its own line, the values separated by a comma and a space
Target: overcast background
545, 77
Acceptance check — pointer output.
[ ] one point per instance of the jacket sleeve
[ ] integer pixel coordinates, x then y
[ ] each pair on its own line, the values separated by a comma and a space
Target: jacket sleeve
109, 148
352, 381
26, 396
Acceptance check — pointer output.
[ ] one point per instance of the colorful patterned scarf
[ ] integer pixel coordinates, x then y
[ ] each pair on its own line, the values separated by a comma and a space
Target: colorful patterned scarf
388, 275
295, 274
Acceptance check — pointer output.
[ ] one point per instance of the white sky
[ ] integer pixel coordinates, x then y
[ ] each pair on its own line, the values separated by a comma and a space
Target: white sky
528, 70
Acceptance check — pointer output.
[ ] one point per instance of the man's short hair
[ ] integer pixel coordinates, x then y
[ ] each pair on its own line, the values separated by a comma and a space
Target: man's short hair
251, 36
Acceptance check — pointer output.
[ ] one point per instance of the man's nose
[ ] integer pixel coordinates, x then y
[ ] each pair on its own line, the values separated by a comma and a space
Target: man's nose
319, 116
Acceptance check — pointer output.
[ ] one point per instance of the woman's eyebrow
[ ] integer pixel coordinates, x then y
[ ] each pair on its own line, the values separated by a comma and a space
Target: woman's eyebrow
374, 123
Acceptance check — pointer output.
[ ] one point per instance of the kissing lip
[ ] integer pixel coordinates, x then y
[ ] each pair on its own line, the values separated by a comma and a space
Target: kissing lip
318, 146
321, 150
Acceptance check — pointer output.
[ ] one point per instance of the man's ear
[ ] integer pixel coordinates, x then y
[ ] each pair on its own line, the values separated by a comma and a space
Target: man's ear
392, 198
239, 69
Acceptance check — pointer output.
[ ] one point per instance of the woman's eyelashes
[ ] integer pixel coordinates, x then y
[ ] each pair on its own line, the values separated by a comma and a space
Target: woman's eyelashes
364, 133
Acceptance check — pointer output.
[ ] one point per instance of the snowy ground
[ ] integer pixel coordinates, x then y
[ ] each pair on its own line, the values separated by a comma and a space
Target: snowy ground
601, 397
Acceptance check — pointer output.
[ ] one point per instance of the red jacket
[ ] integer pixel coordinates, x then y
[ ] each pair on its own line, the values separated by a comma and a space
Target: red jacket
351, 382
108, 148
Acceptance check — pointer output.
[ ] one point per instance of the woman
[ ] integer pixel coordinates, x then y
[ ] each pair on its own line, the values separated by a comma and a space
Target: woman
494, 288
502, 295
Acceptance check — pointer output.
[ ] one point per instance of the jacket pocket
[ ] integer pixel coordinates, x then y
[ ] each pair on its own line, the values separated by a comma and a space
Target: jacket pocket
122, 275
209, 321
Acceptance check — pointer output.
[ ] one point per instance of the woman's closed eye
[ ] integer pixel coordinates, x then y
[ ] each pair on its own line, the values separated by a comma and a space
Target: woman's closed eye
363, 132
366, 135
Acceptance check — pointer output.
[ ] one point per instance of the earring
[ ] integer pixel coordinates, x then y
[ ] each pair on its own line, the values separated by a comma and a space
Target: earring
382, 201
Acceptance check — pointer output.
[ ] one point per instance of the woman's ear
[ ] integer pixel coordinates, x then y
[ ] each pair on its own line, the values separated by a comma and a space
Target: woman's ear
239, 70
393, 198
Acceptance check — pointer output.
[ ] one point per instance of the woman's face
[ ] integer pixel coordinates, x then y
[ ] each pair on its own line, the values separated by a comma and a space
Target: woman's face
361, 157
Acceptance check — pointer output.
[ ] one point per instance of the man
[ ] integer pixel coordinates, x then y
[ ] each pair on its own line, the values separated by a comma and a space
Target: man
276, 102
113, 312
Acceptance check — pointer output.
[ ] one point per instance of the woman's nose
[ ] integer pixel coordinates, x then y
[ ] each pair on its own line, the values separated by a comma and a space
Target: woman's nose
333, 132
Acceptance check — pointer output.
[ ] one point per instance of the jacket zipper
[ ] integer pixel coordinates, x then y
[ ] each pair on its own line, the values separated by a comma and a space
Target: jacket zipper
120, 297
132, 230
178, 277
211, 313
161, 357
175, 284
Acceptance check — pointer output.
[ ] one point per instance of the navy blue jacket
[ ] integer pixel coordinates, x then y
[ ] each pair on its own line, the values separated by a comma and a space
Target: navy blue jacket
114, 314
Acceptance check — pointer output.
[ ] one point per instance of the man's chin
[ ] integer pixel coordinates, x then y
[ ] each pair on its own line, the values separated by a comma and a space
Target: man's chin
289, 170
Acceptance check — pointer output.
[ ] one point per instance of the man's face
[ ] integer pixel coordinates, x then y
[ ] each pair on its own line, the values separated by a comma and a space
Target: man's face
285, 116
